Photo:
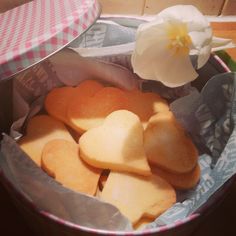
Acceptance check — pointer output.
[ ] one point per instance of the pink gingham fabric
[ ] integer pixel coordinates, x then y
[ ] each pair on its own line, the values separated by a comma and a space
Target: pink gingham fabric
33, 31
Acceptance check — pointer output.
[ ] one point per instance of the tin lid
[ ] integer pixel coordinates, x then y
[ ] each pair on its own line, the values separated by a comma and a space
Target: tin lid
38, 29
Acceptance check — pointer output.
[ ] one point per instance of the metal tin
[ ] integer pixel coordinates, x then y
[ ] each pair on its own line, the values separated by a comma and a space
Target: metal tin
34, 31
45, 223
39, 49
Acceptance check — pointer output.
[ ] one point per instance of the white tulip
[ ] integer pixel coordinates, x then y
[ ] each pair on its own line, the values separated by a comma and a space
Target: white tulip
164, 47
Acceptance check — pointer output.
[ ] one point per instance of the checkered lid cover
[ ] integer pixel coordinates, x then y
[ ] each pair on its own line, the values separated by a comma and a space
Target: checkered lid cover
37, 29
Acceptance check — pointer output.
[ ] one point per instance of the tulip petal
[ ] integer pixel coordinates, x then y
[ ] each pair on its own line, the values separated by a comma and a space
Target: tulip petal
201, 46
141, 67
175, 71
201, 38
164, 65
142, 63
148, 34
203, 56
185, 13
222, 43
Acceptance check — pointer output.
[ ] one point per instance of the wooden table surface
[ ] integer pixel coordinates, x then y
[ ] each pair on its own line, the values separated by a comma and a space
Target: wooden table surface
222, 221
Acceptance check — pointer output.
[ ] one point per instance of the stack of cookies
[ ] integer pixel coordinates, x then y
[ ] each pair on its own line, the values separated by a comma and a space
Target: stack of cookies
124, 147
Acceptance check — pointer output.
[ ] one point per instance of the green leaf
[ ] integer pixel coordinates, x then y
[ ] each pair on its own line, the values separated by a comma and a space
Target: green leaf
227, 59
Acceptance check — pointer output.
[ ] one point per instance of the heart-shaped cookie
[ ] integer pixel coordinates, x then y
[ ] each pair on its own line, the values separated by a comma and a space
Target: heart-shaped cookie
180, 181
167, 145
137, 197
146, 104
60, 159
88, 111
87, 88
116, 145
56, 102
40, 130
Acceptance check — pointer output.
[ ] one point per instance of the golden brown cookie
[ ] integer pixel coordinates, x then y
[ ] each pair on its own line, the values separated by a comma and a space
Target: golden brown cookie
56, 102
60, 159
88, 110
180, 181
40, 130
168, 146
146, 104
137, 196
116, 145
